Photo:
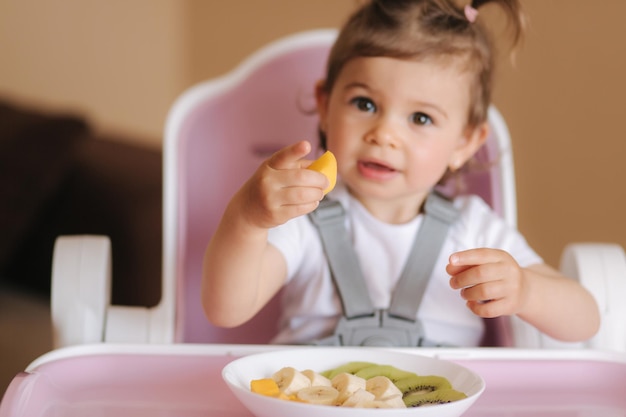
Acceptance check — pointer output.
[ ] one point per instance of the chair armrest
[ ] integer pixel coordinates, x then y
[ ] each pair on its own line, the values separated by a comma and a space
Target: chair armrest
601, 268
81, 289
128, 324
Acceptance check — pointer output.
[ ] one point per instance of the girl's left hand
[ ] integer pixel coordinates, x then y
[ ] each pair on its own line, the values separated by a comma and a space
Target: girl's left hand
490, 280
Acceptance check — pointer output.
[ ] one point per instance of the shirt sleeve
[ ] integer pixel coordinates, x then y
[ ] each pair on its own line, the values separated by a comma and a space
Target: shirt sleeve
290, 239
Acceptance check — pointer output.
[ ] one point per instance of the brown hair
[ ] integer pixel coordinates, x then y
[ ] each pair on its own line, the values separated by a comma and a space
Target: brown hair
421, 30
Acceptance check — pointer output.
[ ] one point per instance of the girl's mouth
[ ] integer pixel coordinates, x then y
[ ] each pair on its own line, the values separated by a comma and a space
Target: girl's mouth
376, 170
376, 166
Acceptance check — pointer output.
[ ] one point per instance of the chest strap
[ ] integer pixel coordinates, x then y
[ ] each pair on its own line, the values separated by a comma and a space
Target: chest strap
362, 324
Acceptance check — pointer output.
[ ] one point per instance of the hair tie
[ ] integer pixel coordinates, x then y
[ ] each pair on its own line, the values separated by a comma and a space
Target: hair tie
470, 13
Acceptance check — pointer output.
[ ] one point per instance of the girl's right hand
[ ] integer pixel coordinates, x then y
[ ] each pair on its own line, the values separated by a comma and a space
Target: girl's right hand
281, 188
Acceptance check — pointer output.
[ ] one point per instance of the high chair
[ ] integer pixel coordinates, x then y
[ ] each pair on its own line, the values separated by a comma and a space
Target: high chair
150, 359
216, 135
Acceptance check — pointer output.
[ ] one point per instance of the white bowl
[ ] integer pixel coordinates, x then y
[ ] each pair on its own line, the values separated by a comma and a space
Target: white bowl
240, 372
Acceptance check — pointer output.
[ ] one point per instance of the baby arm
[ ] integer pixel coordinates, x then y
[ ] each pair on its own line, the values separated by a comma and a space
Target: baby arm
241, 270
493, 284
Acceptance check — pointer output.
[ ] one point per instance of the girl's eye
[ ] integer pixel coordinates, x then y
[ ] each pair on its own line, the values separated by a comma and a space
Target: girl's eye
421, 119
364, 104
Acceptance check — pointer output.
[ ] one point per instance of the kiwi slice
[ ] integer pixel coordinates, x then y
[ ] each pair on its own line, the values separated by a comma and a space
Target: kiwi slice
350, 367
390, 371
442, 396
422, 384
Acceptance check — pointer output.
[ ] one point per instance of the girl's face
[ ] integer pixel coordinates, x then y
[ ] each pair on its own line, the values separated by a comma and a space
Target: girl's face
395, 126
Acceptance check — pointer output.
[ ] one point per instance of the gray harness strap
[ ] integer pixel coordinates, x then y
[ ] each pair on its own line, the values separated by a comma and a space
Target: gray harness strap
329, 218
410, 289
362, 324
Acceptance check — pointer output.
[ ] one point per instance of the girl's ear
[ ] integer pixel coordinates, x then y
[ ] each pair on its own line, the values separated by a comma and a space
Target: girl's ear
468, 145
321, 99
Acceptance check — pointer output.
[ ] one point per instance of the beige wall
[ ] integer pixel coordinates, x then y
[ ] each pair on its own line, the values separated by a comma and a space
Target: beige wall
565, 107
122, 63
118, 62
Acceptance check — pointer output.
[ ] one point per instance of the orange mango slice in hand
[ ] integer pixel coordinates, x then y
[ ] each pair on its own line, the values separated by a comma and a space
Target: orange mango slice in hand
327, 165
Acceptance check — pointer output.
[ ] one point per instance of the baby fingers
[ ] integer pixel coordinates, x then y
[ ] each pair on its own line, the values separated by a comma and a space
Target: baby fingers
489, 309
474, 275
493, 290
490, 290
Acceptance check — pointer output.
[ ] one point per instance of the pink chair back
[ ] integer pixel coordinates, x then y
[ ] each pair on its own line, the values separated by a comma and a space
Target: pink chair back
219, 133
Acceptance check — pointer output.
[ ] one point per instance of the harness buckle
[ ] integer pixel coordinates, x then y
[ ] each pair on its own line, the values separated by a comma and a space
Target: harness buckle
380, 329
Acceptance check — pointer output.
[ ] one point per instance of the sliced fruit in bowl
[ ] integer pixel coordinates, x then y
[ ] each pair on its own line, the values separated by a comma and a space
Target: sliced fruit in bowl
362, 381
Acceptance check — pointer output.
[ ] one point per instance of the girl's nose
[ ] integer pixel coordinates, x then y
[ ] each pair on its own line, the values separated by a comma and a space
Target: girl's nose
382, 133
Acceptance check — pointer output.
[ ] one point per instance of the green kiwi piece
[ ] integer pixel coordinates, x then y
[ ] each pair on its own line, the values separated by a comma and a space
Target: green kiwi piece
442, 396
390, 371
350, 367
422, 384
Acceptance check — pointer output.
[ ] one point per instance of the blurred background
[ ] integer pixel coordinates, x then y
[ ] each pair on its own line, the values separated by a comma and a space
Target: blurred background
85, 87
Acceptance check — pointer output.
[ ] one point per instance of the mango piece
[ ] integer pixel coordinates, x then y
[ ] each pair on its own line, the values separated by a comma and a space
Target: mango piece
327, 165
269, 388
265, 386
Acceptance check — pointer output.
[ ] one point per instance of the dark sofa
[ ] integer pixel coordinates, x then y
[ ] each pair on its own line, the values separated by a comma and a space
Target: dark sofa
58, 177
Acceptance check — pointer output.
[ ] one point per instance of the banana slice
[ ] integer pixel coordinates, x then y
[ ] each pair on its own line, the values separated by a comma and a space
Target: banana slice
321, 394
317, 379
347, 384
290, 380
382, 387
389, 402
360, 398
